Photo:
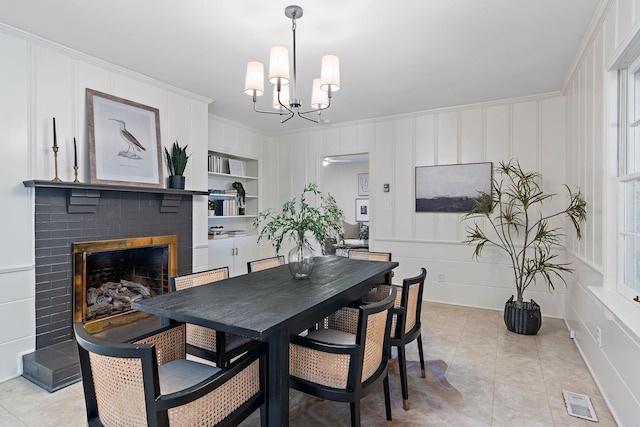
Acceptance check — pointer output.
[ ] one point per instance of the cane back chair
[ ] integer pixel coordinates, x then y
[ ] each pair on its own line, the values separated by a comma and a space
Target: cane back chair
205, 342
405, 325
344, 363
265, 263
150, 383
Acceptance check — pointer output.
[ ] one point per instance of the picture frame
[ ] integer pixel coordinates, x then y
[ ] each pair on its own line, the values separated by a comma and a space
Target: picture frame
363, 184
236, 167
451, 188
362, 210
124, 141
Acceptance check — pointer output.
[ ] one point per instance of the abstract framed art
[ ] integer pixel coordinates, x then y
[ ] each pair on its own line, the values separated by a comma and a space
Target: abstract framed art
363, 184
124, 141
451, 188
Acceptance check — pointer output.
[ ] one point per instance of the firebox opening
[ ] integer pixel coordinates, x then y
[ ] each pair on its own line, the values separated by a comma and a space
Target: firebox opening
110, 275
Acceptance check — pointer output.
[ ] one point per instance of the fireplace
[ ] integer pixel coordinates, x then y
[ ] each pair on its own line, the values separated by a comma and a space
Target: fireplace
110, 274
68, 214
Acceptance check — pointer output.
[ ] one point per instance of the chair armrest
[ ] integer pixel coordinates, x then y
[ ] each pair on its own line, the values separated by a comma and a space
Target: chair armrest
350, 349
243, 365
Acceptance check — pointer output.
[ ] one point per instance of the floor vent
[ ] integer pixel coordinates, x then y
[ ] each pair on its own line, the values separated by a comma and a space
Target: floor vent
579, 405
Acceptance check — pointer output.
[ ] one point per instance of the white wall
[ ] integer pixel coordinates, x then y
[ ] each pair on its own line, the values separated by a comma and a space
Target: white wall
341, 181
591, 162
530, 129
40, 81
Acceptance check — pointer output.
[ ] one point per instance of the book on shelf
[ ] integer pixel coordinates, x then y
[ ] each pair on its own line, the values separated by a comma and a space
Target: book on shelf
216, 191
237, 233
231, 191
217, 164
218, 236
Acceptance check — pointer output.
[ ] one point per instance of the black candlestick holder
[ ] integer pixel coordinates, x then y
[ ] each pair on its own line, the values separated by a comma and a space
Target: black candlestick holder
75, 173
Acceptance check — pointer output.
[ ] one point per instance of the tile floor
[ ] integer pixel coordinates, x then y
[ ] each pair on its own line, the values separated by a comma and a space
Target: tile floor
479, 374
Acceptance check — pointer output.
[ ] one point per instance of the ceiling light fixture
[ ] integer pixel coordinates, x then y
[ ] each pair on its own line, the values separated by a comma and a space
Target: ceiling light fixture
287, 103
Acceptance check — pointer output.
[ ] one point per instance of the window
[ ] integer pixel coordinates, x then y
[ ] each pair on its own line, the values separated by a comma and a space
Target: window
629, 178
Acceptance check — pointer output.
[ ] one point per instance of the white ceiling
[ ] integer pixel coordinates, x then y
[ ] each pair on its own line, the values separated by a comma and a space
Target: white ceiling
395, 57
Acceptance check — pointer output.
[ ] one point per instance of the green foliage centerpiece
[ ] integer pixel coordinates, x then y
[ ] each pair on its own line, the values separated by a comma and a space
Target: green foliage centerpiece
518, 226
322, 219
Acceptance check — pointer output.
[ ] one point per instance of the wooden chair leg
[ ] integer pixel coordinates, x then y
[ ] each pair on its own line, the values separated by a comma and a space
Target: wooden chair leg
402, 362
355, 413
387, 400
421, 353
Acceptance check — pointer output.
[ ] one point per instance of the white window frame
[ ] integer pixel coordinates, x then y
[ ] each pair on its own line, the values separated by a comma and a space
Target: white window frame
628, 149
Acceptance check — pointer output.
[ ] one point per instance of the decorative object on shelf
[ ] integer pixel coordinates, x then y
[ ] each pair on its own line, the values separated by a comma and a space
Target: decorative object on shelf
124, 141
236, 167
55, 152
241, 196
288, 104
520, 227
451, 188
177, 163
295, 219
213, 207
363, 184
75, 160
362, 210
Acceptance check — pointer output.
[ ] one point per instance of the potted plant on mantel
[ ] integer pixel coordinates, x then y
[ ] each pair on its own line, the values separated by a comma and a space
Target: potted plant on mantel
295, 220
519, 227
177, 163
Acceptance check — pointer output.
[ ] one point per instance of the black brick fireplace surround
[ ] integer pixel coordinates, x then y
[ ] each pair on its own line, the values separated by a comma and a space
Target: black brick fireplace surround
71, 214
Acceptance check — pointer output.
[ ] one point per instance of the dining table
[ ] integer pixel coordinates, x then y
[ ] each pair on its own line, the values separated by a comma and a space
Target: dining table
271, 306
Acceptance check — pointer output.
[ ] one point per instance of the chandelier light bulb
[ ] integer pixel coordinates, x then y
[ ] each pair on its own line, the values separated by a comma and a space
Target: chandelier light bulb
330, 73
284, 97
254, 82
279, 65
319, 98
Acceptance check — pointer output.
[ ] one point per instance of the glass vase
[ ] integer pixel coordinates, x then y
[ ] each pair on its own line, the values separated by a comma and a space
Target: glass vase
300, 261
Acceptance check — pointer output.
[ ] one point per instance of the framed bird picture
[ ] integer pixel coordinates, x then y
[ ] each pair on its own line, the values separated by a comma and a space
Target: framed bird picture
124, 141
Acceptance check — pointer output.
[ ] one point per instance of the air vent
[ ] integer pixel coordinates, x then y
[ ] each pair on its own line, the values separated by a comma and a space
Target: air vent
579, 405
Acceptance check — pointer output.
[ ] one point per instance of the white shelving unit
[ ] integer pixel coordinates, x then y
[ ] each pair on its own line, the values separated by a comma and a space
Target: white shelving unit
234, 251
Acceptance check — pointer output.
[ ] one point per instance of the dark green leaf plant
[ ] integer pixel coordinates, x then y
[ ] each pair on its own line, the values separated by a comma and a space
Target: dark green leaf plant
177, 159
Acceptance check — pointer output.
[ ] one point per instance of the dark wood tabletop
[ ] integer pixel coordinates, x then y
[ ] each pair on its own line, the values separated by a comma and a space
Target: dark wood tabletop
270, 306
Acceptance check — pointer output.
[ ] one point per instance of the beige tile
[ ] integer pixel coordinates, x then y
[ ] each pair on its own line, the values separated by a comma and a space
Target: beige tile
508, 416
6, 419
519, 396
478, 374
514, 371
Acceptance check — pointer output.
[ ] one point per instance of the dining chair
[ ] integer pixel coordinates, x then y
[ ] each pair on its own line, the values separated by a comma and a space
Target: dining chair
347, 358
265, 263
405, 324
370, 256
148, 382
205, 342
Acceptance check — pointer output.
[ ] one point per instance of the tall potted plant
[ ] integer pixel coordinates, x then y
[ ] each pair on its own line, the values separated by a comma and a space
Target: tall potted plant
177, 163
518, 226
295, 219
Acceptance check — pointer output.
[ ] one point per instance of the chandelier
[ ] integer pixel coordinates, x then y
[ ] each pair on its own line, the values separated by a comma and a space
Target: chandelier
285, 102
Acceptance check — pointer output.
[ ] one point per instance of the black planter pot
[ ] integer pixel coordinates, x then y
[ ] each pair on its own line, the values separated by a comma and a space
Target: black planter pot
524, 321
176, 181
